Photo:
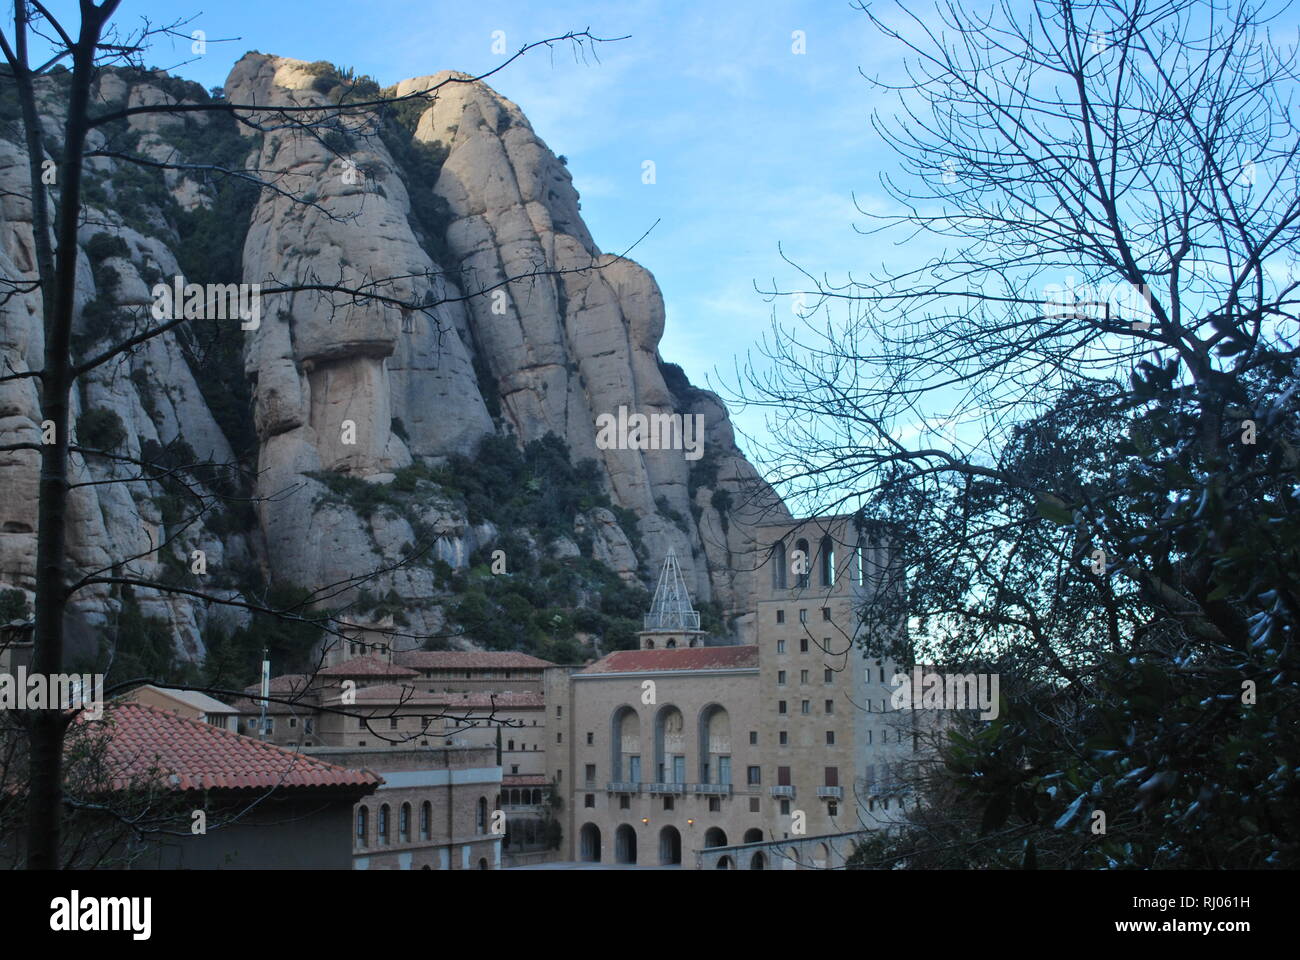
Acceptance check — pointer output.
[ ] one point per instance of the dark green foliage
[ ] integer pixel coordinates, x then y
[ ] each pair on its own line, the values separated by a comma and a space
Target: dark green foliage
14, 606
141, 646
100, 429
234, 660
102, 245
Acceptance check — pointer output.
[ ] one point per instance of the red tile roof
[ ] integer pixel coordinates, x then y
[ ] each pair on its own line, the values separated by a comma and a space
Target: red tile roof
144, 744
401, 693
682, 658
468, 660
524, 780
371, 665
499, 700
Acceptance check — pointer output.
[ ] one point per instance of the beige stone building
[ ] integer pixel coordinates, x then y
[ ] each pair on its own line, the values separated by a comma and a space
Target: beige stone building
682, 746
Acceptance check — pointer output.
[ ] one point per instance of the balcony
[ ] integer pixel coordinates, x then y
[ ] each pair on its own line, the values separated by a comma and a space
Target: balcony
667, 788
783, 791
830, 793
712, 789
622, 786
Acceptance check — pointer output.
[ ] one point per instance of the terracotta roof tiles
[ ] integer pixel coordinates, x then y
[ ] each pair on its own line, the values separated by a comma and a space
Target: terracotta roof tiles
682, 658
188, 755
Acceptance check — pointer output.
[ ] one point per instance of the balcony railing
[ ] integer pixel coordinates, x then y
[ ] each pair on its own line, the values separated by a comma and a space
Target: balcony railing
662, 788
622, 786
783, 791
712, 789
830, 793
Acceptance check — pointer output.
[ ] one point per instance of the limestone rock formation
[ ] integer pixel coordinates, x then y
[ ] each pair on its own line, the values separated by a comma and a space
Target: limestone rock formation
531, 330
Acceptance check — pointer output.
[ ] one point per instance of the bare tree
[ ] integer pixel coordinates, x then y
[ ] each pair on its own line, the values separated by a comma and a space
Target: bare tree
1075, 409
80, 55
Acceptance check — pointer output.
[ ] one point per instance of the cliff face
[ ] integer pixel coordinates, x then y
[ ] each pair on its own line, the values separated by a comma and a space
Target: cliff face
533, 331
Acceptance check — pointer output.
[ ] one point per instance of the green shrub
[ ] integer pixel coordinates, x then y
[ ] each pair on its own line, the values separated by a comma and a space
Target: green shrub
100, 429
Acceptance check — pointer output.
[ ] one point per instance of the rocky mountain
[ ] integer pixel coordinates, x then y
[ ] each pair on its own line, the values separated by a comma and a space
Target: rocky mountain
365, 430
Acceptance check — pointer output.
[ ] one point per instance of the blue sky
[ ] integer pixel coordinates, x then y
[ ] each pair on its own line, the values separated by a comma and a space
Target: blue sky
754, 145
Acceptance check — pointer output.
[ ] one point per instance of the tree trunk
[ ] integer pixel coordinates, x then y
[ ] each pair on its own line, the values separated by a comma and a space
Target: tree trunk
45, 797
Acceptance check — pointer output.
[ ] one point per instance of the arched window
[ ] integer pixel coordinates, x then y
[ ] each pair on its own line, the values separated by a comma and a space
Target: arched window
859, 564
383, 824
363, 826
426, 816
804, 559
404, 823
828, 561
481, 820
671, 644
778, 565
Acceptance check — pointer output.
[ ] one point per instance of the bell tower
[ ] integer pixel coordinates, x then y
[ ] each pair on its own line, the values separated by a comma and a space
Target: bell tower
672, 621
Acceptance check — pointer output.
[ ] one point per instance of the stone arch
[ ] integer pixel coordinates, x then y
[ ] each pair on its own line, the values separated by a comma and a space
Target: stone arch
826, 558
791, 859
670, 742
589, 843
482, 863
714, 744
821, 856
625, 844
802, 580
670, 845
753, 835
624, 740
725, 863
778, 562
715, 837
758, 861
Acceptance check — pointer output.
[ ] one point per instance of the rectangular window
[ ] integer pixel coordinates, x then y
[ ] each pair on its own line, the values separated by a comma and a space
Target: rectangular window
780, 616
780, 646
392, 723
724, 770
753, 775
591, 772
803, 644
361, 722
780, 678
634, 769
826, 613
780, 706
559, 711
803, 676
828, 675
830, 738
832, 776
783, 776
625, 802
589, 800
668, 802
785, 808
803, 616
715, 804
559, 738
590, 739
830, 707
293, 723
782, 738
753, 738
832, 808
679, 769
805, 706
753, 804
